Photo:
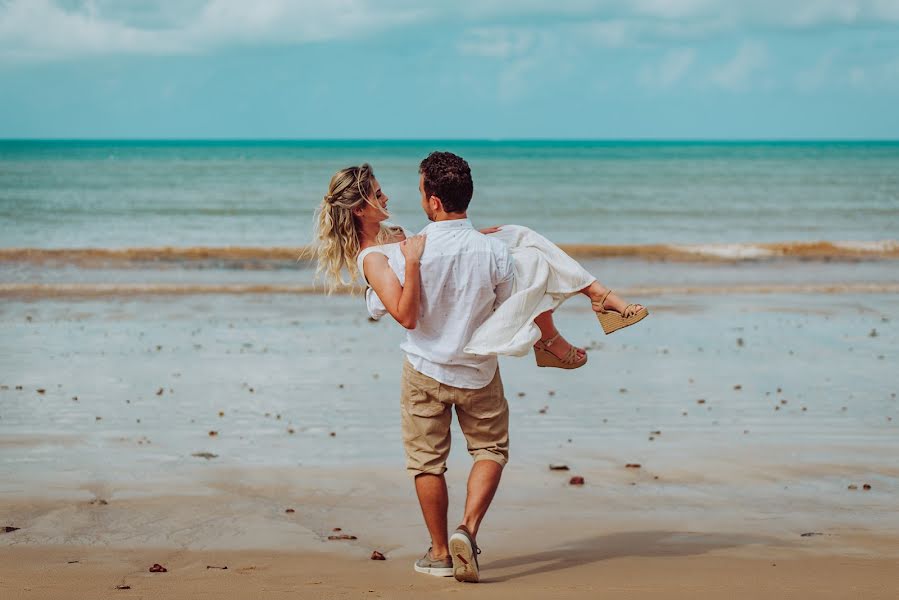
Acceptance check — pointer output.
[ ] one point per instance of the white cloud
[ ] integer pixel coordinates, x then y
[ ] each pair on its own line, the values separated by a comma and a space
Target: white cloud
816, 76
60, 29
670, 70
497, 42
735, 75
45, 30
875, 78
838, 69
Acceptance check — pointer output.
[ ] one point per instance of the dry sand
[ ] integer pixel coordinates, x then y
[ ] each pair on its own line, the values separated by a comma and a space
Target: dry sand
637, 565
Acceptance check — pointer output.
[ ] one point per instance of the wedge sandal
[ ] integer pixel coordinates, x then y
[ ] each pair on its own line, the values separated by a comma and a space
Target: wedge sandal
545, 358
612, 320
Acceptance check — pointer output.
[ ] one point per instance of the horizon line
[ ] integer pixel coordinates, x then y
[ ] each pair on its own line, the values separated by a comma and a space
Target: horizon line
451, 139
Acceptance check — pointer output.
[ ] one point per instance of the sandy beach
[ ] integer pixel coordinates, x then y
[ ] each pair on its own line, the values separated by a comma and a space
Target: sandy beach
180, 428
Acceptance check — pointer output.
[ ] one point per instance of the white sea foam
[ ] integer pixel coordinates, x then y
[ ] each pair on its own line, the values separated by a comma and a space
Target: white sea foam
727, 251
876, 247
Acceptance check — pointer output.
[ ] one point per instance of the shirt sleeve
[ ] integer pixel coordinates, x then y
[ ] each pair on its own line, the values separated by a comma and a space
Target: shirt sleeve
505, 275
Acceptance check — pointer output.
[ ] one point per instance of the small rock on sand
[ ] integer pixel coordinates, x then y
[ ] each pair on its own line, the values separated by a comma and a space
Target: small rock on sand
375, 555
632, 466
738, 387
206, 455
289, 511
866, 487
852, 486
576, 480
558, 467
213, 433
158, 568
9, 529
342, 536
123, 587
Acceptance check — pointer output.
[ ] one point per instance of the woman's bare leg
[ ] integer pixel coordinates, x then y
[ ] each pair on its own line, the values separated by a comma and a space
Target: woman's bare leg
548, 330
595, 291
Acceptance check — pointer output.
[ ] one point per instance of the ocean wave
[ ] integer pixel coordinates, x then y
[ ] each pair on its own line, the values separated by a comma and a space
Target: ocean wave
102, 290
266, 258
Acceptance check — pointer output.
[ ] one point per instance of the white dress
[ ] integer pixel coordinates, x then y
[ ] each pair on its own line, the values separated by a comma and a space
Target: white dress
544, 278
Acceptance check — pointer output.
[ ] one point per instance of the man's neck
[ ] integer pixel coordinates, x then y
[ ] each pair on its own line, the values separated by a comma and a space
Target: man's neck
445, 216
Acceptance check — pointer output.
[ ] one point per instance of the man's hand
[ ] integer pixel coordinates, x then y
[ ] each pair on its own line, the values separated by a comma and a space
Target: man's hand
490, 230
413, 247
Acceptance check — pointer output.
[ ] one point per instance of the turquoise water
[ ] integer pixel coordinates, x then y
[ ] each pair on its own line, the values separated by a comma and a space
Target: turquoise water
117, 194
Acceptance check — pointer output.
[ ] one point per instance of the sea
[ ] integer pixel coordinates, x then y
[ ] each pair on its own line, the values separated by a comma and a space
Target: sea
124, 194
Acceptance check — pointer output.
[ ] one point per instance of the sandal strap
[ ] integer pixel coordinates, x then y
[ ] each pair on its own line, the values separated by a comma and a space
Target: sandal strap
602, 303
550, 341
630, 305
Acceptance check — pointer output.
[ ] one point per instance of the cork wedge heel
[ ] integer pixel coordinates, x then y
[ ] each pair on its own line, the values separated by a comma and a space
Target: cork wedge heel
612, 320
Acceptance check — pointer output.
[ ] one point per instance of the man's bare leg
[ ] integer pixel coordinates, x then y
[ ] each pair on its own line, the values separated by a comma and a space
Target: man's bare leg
482, 483
434, 500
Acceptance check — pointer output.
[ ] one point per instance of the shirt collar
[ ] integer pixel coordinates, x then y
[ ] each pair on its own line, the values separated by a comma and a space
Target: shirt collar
451, 224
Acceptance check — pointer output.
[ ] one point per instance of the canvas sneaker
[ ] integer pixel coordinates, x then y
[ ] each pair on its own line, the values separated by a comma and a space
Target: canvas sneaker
464, 552
430, 566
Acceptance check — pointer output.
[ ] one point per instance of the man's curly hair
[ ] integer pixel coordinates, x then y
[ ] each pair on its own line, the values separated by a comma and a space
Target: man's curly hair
448, 177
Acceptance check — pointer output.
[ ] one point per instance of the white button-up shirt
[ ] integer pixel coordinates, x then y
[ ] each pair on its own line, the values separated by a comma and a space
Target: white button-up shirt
465, 275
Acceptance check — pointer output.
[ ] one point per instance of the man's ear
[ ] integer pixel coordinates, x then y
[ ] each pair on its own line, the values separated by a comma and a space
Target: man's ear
436, 204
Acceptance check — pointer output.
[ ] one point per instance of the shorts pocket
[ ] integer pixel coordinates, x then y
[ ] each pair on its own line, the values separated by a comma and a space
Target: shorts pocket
419, 395
426, 408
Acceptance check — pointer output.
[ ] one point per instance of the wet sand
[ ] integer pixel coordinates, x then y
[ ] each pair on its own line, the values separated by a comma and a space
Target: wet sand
756, 417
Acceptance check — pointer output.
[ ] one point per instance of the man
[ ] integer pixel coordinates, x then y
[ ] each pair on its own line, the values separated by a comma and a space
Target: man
464, 276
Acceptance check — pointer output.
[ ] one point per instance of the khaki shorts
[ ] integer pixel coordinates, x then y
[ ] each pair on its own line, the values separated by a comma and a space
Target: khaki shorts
427, 413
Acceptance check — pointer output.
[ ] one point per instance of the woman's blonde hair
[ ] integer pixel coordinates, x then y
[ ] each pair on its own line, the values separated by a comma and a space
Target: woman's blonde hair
336, 228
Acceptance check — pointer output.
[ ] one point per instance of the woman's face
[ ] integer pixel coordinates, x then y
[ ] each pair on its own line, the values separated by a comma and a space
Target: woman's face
369, 212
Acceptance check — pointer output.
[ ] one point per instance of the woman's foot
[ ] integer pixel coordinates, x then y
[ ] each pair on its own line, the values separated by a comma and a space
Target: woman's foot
604, 299
546, 352
552, 341
559, 347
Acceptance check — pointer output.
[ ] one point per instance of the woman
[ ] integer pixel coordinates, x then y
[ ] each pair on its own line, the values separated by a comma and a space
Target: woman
353, 235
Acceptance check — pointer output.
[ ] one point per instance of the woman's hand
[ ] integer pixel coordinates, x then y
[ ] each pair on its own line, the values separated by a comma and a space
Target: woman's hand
413, 247
490, 230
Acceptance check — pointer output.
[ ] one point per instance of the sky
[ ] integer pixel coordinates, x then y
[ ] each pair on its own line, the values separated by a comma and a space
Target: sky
474, 69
